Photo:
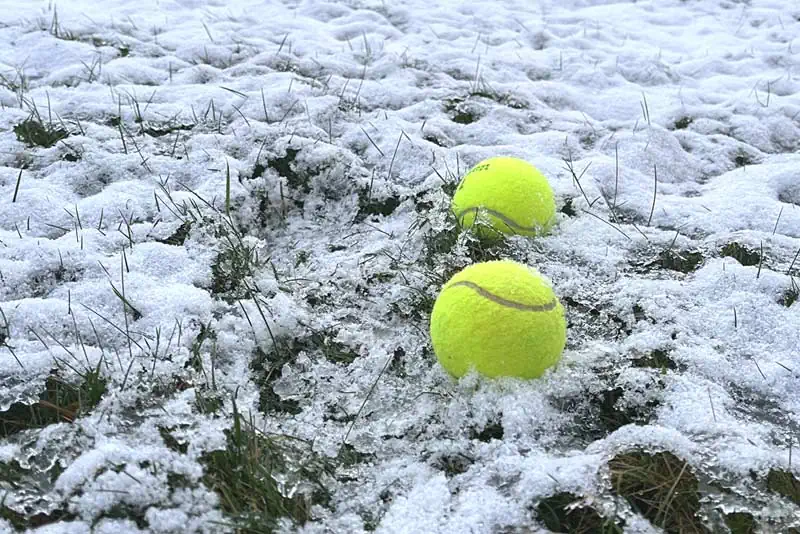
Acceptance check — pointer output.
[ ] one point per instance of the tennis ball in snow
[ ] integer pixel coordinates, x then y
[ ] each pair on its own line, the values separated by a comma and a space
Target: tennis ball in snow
500, 317
509, 194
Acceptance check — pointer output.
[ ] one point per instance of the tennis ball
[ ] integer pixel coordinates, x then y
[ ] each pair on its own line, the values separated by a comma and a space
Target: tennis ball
509, 194
499, 317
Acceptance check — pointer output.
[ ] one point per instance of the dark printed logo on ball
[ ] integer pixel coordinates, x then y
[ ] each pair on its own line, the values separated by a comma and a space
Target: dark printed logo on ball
479, 168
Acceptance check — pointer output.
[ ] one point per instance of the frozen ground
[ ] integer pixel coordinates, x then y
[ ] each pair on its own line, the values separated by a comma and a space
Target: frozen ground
138, 298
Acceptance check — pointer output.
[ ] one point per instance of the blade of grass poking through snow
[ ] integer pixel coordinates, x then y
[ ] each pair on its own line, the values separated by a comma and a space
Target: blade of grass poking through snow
123, 263
606, 222
645, 109
655, 191
227, 188
570, 166
789, 270
616, 172
5, 333
16, 189
760, 260
778, 220
364, 403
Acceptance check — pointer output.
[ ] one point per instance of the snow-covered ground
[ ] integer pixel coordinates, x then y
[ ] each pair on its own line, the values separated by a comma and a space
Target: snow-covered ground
304, 292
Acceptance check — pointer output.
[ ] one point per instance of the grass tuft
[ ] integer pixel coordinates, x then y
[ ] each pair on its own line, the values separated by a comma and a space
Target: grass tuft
178, 238
658, 359
609, 416
461, 111
492, 430
598, 414
232, 268
246, 477
283, 166
267, 368
789, 297
207, 401
742, 159
59, 402
453, 464
683, 262
740, 253
564, 512
348, 456
661, 487
683, 123
369, 205
171, 442
784, 483
33, 132
478, 249
740, 523
568, 208
21, 522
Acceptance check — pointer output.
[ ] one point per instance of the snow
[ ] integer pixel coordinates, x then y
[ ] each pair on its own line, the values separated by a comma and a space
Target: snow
695, 102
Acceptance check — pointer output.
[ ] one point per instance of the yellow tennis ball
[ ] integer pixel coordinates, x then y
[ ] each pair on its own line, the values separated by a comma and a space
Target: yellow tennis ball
509, 194
500, 318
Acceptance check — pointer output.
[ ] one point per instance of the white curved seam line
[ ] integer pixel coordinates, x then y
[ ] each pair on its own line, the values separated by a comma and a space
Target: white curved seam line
510, 222
550, 306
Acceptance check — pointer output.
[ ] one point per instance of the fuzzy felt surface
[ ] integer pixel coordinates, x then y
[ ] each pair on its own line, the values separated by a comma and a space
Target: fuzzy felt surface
500, 318
512, 195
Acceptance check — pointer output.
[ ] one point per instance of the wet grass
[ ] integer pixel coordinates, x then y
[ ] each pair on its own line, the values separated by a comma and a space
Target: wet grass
60, 402
262, 479
35, 133
661, 487
565, 512
742, 254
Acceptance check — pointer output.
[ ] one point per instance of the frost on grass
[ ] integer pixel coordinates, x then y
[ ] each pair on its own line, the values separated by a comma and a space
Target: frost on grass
222, 233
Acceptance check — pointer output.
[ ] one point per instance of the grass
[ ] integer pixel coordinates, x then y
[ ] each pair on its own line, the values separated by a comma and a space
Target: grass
59, 402
740, 253
33, 132
246, 477
661, 487
178, 238
609, 416
596, 414
19, 84
683, 122
565, 512
657, 359
171, 442
742, 159
789, 297
284, 167
492, 430
478, 249
683, 262
453, 464
784, 483
207, 401
369, 205
267, 368
233, 266
22, 522
740, 523
461, 111
445, 252
348, 456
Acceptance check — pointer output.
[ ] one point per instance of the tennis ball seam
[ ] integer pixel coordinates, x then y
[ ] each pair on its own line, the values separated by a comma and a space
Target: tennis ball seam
511, 223
497, 299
